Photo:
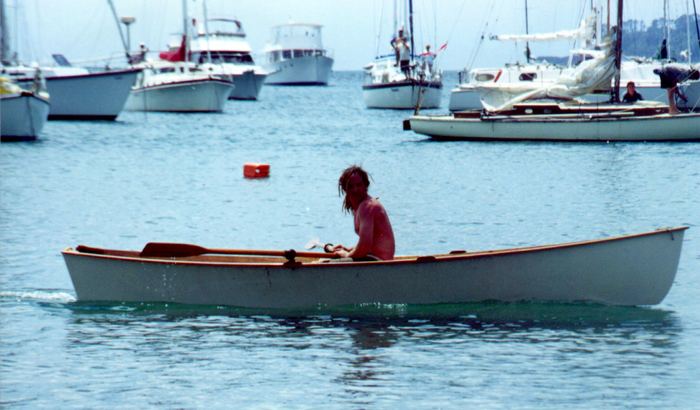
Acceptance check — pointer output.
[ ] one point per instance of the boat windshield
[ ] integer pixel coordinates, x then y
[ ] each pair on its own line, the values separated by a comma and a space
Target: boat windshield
232, 57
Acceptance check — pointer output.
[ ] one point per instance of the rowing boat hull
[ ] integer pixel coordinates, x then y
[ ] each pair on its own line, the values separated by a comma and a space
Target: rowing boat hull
662, 127
628, 270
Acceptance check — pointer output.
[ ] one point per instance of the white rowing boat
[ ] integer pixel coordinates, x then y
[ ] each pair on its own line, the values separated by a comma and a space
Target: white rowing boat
626, 270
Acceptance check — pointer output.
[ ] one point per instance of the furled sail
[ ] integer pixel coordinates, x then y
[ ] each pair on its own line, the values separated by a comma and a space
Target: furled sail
587, 77
586, 30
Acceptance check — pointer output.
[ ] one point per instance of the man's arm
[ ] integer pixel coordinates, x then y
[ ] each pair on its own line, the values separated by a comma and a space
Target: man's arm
366, 231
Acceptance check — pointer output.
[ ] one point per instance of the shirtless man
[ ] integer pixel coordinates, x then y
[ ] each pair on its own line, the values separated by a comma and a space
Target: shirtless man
371, 220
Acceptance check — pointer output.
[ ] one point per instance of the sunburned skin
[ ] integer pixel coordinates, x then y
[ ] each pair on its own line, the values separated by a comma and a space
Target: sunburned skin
372, 225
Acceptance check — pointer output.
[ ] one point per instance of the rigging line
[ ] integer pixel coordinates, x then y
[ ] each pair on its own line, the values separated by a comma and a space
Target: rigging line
475, 51
378, 29
434, 23
697, 28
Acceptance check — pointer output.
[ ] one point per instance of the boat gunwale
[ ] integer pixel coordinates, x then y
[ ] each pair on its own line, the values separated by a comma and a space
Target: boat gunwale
400, 260
95, 74
548, 118
29, 94
175, 84
403, 83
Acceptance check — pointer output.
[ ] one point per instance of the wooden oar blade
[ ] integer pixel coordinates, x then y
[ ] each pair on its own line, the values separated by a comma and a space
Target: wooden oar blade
167, 249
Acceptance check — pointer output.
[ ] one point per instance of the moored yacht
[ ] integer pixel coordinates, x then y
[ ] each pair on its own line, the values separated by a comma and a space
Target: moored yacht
178, 87
78, 93
466, 95
23, 113
554, 112
220, 46
403, 80
296, 56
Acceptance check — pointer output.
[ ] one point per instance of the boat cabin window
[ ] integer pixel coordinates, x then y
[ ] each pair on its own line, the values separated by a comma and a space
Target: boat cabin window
167, 70
233, 57
318, 53
527, 76
484, 77
298, 53
287, 54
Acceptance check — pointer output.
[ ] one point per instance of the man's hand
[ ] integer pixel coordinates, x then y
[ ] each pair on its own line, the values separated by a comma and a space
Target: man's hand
342, 253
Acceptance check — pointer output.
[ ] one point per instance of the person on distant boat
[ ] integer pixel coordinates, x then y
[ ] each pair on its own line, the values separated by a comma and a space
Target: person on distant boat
402, 51
141, 56
428, 58
663, 51
372, 225
632, 96
672, 74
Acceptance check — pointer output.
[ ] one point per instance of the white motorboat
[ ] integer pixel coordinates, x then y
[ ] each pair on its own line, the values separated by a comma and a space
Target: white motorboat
296, 56
386, 85
79, 94
23, 113
178, 87
221, 48
636, 269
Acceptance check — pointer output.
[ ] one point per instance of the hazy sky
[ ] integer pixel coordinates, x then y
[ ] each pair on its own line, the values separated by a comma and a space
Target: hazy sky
85, 29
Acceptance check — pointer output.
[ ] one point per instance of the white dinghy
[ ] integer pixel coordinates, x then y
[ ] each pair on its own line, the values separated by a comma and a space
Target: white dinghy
626, 270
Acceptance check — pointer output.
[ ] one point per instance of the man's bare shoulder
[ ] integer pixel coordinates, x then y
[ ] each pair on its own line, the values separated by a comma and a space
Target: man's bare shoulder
371, 205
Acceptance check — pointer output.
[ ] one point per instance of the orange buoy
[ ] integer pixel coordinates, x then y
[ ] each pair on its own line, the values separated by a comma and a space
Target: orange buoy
256, 170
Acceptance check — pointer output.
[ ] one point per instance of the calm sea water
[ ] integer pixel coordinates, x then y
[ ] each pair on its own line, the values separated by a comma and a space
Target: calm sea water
176, 177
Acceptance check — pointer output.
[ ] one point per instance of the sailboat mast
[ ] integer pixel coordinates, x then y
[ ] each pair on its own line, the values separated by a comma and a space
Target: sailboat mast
697, 27
185, 30
4, 44
527, 31
206, 29
687, 32
410, 24
119, 27
615, 92
667, 28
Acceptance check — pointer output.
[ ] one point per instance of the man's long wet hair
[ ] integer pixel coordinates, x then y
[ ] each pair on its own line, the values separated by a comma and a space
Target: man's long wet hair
345, 179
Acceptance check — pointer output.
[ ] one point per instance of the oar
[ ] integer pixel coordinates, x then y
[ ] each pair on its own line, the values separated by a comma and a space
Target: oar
166, 249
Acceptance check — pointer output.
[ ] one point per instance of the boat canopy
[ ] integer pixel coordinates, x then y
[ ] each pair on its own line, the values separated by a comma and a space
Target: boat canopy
177, 54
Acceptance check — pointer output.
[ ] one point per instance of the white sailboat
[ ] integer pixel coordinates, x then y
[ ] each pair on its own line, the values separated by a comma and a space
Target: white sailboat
178, 87
23, 113
532, 75
388, 86
222, 49
174, 84
296, 56
78, 93
511, 114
